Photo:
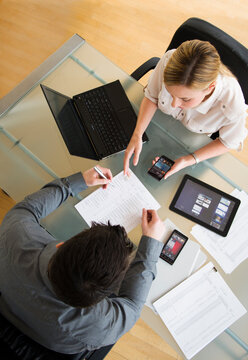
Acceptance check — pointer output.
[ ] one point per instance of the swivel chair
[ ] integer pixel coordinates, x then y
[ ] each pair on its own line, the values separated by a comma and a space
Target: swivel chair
232, 53
17, 346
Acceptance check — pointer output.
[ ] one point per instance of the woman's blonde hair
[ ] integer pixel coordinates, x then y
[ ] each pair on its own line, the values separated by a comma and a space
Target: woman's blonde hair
195, 64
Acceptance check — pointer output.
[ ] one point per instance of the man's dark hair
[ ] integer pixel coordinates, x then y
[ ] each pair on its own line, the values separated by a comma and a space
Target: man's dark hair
89, 266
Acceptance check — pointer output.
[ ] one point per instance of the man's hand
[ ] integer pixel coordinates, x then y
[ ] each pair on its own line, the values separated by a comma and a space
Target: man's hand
152, 225
92, 178
134, 147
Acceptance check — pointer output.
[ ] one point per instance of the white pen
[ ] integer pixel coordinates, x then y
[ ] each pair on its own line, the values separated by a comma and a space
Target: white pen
100, 172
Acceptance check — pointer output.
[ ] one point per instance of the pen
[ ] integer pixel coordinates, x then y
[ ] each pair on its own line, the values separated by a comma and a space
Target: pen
100, 172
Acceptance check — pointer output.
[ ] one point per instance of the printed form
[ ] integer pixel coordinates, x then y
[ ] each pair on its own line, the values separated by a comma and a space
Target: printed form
189, 260
199, 309
121, 203
231, 250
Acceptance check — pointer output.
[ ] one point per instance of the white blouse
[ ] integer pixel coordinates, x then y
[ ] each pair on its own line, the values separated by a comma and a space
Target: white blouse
224, 110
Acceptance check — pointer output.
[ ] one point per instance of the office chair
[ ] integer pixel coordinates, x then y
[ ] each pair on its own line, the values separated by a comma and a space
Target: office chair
232, 53
17, 346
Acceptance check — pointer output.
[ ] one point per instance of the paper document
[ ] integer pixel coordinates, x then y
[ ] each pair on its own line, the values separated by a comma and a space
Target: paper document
168, 276
199, 309
231, 250
121, 203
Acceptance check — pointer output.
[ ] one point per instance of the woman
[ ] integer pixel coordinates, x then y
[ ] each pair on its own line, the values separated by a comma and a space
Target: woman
191, 84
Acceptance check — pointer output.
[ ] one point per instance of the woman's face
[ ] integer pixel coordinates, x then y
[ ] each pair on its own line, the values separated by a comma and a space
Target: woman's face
186, 98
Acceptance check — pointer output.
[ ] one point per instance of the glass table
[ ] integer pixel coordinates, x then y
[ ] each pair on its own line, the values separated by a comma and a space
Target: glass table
32, 153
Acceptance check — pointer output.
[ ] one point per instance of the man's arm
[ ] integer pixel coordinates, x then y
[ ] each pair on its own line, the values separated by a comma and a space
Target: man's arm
41, 203
122, 312
142, 272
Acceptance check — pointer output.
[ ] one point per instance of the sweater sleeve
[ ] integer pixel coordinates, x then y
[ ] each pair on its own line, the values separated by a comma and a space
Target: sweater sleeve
121, 313
41, 203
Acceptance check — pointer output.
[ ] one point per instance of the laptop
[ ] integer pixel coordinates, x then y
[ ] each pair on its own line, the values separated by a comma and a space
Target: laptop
94, 124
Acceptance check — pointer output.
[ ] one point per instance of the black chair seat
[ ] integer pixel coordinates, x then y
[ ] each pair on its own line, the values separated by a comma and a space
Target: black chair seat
16, 345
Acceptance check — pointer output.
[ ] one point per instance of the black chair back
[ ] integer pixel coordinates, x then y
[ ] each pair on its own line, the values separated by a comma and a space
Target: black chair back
15, 345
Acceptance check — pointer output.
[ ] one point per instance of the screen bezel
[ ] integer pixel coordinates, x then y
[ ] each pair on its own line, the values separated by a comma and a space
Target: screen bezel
236, 201
154, 165
166, 258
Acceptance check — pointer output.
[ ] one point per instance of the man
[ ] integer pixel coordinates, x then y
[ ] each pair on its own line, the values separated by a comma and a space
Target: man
58, 294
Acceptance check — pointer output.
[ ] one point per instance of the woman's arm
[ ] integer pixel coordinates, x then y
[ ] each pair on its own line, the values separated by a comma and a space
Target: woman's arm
208, 151
146, 112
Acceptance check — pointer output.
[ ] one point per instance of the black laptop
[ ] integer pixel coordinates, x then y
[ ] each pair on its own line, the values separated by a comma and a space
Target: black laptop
96, 123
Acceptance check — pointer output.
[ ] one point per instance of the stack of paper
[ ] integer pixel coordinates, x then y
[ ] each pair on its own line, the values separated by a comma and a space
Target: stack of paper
199, 309
121, 203
231, 250
168, 276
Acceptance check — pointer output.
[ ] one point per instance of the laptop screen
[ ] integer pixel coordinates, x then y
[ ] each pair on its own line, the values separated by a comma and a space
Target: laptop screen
56, 101
70, 127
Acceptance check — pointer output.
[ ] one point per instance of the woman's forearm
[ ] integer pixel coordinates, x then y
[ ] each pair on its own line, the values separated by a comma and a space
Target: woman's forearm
213, 149
210, 150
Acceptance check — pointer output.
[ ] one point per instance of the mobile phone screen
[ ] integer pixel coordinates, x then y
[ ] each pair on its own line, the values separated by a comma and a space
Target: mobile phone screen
173, 246
161, 167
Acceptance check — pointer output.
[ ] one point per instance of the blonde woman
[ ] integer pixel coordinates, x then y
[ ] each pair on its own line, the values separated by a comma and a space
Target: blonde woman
191, 84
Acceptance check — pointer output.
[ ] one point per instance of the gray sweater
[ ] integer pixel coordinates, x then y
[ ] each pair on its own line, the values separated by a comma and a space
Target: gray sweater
27, 298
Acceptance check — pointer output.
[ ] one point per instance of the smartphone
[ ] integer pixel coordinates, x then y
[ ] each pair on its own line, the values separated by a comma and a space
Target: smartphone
173, 247
161, 167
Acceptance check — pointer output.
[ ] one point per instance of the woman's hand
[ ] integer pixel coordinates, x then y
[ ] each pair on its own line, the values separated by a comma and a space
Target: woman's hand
214, 148
146, 112
134, 147
180, 164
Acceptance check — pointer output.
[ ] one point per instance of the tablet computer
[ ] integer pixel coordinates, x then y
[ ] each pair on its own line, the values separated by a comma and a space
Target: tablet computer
205, 205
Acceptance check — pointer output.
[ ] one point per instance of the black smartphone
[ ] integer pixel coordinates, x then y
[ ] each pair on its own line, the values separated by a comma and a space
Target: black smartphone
173, 247
161, 167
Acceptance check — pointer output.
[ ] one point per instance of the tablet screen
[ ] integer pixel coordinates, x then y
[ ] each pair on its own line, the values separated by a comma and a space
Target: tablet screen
205, 205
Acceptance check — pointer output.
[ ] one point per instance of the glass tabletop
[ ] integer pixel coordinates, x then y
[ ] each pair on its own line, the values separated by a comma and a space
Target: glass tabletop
33, 153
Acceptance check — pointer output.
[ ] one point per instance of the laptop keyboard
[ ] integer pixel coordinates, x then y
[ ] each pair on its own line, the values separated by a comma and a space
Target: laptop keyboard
104, 120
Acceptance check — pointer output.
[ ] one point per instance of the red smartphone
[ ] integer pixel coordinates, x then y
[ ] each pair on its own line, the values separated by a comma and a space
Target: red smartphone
173, 247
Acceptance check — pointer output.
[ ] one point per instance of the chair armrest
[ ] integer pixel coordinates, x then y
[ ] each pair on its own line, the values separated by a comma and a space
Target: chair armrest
144, 68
